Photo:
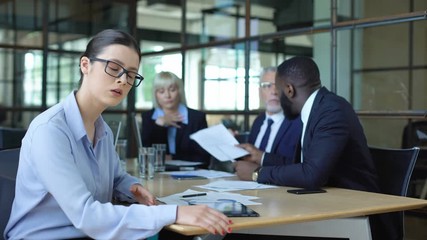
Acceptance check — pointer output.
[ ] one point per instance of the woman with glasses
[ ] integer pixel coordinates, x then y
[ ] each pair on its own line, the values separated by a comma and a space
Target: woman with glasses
171, 122
69, 171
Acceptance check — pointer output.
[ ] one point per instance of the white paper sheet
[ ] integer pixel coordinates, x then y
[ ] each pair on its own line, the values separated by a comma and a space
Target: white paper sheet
201, 173
182, 163
234, 185
219, 142
210, 196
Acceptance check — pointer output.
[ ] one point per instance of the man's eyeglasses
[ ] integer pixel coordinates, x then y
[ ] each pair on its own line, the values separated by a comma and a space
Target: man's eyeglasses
116, 70
266, 85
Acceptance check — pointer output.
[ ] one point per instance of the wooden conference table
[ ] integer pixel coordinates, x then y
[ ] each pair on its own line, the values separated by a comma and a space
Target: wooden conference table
337, 213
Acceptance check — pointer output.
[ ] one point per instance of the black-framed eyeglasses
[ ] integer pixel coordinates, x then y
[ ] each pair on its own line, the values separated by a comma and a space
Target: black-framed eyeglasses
266, 85
116, 70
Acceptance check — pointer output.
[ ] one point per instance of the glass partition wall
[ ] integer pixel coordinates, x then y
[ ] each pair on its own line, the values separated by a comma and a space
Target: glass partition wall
41, 42
373, 53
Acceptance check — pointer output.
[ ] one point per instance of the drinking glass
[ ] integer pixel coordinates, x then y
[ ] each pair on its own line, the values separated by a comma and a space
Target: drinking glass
159, 165
146, 159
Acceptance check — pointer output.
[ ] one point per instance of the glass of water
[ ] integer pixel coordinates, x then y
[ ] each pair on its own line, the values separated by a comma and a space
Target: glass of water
121, 148
146, 161
159, 165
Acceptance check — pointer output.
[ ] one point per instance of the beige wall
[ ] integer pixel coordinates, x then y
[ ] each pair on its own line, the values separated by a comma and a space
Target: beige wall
389, 47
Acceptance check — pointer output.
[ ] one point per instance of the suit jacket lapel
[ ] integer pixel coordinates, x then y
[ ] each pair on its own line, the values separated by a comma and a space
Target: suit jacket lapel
255, 128
313, 112
282, 130
179, 135
182, 130
297, 154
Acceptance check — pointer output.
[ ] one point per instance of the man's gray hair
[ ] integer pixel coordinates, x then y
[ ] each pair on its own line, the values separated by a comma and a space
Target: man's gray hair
267, 70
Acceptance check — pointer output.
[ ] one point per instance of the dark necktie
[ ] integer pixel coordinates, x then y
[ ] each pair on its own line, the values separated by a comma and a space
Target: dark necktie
264, 140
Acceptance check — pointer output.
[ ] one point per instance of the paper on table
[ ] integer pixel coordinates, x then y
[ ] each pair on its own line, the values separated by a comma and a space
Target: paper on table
234, 185
180, 163
219, 142
210, 196
201, 173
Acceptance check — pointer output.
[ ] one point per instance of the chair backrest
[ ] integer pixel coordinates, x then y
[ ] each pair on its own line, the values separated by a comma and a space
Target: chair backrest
415, 134
9, 160
394, 168
11, 137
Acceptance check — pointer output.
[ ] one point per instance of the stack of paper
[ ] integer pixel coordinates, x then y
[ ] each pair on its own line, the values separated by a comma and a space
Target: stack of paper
224, 185
201, 173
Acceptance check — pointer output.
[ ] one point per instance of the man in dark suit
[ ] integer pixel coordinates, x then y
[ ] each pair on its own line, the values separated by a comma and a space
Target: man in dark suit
283, 135
334, 150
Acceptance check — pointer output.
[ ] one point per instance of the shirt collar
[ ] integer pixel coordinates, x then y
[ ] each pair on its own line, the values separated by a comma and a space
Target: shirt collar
183, 110
277, 117
306, 109
75, 121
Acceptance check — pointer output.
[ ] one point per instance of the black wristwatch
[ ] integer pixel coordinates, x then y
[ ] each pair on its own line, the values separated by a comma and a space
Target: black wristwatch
255, 174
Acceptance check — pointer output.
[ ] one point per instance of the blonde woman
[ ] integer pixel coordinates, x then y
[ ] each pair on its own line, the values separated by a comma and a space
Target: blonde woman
171, 122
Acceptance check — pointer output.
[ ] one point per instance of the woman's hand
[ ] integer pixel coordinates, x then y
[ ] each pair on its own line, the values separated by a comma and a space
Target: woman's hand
170, 120
205, 217
142, 195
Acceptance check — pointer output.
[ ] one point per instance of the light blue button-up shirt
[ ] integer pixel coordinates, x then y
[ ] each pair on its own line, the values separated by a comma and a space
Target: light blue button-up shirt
64, 185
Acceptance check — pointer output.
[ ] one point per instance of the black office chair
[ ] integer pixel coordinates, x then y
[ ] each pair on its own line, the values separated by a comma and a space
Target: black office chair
394, 168
415, 135
9, 160
11, 137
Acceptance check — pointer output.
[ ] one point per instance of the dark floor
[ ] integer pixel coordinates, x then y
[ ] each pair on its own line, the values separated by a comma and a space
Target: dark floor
416, 225
416, 220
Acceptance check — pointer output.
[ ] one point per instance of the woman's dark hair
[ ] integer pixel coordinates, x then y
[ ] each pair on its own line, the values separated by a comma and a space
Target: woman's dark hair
106, 38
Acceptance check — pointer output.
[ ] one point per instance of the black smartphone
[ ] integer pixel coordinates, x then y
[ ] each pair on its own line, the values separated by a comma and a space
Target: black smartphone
306, 191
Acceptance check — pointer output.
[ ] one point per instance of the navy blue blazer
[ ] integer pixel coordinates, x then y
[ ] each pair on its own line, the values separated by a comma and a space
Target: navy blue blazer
186, 148
335, 151
285, 141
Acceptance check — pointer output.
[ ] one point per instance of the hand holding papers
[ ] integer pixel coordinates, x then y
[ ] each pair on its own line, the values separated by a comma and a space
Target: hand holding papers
219, 142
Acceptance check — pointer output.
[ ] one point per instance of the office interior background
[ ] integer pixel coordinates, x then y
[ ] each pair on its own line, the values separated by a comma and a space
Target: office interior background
373, 53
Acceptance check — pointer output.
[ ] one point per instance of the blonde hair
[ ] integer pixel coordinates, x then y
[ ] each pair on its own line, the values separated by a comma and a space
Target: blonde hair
165, 79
